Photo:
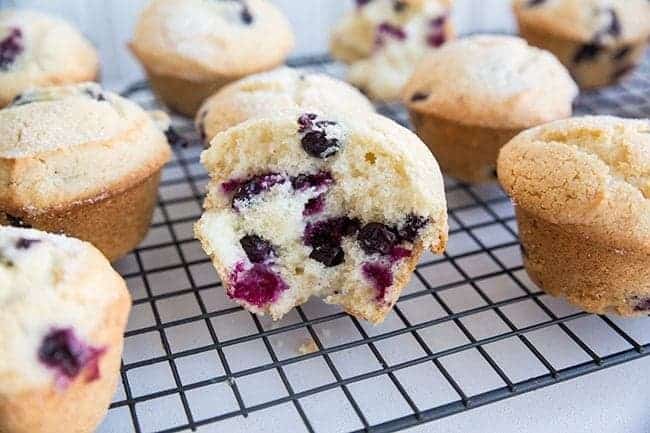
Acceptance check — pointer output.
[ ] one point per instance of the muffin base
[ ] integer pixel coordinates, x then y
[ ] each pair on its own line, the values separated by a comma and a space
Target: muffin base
114, 223
590, 275
468, 153
82, 405
185, 96
608, 66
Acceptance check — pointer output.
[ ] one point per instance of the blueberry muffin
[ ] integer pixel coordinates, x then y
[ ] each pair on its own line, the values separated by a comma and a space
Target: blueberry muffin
267, 93
191, 48
63, 311
383, 40
38, 50
306, 204
81, 161
471, 96
600, 41
581, 191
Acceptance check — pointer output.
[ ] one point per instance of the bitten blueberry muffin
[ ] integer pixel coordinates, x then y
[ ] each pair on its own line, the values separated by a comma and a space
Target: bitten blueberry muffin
581, 191
81, 161
307, 204
600, 41
39, 50
267, 93
63, 311
191, 48
471, 96
383, 40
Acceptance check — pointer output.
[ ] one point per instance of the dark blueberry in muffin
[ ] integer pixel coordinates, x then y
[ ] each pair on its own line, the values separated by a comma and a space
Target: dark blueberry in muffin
94, 94
376, 238
622, 52
257, 249
419, 96
436, 36
614, 28
246, 15
399, 6
361, 3
328, 255
319, 180
315, 140
388, 29
10, 48
533, 3
380, 276
17, 222
642, 304
254, 186
411, 227
25, 244
587, 52
258, 285
62, 351
174, 138
318, 145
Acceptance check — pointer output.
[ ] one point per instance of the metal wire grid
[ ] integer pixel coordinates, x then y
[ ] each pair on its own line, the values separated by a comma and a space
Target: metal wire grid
469, 330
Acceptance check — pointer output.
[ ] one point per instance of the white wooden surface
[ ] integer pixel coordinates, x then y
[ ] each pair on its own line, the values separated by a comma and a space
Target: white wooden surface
109, 24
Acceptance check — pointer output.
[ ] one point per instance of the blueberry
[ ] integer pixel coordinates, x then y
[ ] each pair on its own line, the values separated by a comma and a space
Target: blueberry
381, 277
17, 222
316, 144
411, 227
376, 238
328, 255
254, 186
62, 351
587, 52
419, 96
94, 94
361, 3
436, 39
258, 285
257, 248
614, 28
174, 138
399, 6
306, 122
314, 206
533, 3
10, 48
642, 304
25, 244
318, 180
246, 15
391, 30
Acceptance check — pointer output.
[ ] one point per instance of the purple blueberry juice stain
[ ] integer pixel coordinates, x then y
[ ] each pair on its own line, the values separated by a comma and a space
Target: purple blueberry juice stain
253, 187
320, 180
399, 253
10, 48
230, 186
62, 351
380, 276
314, 206
436, 36
258, 285
642, 304
387, 30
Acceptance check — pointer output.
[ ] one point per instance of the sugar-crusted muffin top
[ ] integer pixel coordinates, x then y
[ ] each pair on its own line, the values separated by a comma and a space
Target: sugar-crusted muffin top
592, 173
267, 93
491, 81
604, 21
64, 144
196, 39
52, 288
38, 50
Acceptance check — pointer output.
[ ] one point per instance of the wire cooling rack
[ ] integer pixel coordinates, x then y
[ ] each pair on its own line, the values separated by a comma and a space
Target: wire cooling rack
470, 329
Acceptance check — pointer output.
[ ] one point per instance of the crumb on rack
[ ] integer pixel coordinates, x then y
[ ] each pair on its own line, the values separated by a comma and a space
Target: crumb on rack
308, 347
